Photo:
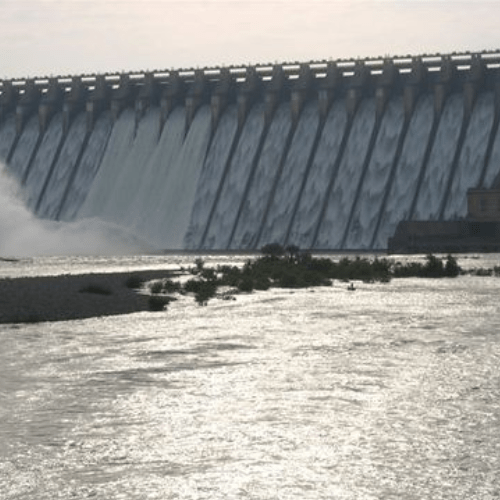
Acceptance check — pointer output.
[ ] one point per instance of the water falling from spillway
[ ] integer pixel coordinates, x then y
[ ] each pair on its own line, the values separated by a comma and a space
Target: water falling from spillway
472, 156
41, 167
254, 204
180, 186
289, 184
90, 161
7, 137
241, 173
102, 188
146, 213
432, 189
493, 170
25, 147
60, 178
225, 213
403, 188
321, 174
211, 177
369, 201
341, 197
132, 167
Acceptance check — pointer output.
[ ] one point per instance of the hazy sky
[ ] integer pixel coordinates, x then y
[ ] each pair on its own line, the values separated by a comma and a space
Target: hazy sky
54, 37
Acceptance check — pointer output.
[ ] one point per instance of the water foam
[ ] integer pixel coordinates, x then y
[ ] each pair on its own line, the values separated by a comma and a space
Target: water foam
24, 235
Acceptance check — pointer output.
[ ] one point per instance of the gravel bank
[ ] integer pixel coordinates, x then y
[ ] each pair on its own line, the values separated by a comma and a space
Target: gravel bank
59, 298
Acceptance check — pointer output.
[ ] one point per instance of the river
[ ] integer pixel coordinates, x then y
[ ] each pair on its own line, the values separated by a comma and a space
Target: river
388, 392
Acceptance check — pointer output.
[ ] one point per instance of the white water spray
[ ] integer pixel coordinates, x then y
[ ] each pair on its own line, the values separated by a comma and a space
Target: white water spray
24, 235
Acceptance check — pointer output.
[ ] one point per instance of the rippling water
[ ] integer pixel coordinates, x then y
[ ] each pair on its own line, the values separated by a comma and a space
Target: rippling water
391, 391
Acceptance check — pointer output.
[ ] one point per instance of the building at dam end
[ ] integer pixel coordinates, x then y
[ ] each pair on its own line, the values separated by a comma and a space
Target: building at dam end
324, 155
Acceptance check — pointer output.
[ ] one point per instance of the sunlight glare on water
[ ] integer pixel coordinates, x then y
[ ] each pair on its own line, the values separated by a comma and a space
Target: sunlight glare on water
389, 392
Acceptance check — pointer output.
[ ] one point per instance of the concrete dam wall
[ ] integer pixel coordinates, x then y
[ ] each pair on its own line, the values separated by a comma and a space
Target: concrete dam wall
324, 155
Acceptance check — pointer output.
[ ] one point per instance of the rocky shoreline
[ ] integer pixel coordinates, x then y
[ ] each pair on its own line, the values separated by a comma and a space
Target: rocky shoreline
68, 297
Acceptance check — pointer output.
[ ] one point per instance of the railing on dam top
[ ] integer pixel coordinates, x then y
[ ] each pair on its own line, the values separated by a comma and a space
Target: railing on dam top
217, 86
292, 70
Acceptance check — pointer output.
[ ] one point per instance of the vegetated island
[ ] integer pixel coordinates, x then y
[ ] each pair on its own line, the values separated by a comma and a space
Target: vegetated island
56, 298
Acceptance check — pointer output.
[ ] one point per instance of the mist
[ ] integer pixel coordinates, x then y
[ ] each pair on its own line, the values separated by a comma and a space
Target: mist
22, 234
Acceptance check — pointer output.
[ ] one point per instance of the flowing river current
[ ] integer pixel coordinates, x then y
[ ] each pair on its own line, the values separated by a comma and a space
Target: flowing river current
388, 392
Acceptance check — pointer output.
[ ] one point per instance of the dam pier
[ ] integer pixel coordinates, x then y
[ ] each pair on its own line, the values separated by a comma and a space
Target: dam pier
325, 155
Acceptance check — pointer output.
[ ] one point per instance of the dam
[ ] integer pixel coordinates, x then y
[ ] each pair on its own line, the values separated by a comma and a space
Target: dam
324, 155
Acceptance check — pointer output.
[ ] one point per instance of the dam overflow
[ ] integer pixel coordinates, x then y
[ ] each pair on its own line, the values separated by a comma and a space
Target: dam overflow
327, 155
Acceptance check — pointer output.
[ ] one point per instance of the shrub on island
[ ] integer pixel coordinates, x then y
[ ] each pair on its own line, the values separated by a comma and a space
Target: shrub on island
164, 286
433, 268
291, 268
159, 302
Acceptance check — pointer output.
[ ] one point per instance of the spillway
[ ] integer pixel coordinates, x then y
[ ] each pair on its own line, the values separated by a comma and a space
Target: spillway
325, 155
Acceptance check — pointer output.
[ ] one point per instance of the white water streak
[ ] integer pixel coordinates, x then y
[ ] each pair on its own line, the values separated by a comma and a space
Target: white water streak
342, 195
132, 169
369, 202
254, 205
111, 168
211, 177
180, 186
472, 157
404, 185
492, 176
152, 185
292, 177
7, 136
63, 169
45, 156
235, 182
438, 171
25, 147
322, 170
88, 167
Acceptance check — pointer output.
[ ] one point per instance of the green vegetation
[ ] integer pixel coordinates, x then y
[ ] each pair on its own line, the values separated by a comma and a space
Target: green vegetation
433, 268
164, 286
159, 302
285, 268
291, 268
486, 272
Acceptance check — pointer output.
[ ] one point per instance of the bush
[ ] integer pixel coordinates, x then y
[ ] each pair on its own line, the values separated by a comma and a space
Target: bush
230, 275
482, 272
434, 267
262, 283
273, 250
451, 268
158, 302
199, 263
203, 290
246, 284
170, 286
156, 287
164, 286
